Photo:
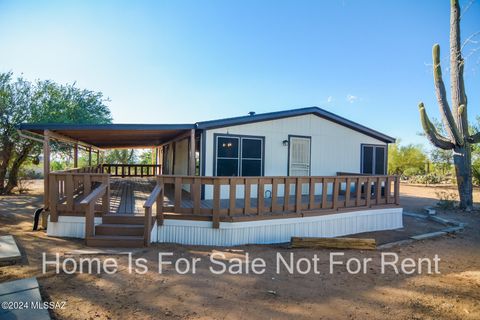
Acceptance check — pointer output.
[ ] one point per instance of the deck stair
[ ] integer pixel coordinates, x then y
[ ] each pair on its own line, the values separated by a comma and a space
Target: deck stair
119, 230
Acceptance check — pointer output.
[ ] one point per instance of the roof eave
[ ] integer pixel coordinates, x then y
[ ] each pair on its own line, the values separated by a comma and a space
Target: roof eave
214, 124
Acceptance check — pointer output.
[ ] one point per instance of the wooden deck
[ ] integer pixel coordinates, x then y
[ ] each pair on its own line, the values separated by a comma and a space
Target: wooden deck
127, 195
130, 206
230, 198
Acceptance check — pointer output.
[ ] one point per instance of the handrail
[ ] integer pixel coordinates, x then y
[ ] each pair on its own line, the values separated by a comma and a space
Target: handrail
94, 195
340, 173
90, 169
89, 203
155, 196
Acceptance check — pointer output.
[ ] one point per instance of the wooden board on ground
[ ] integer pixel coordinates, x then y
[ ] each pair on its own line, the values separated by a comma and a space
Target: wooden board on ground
335, 243
9, 253
22, 291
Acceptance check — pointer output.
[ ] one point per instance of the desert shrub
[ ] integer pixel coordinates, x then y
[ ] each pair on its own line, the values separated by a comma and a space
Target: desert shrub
58, 165
431, 178
25, 177
409, 172
476, 173
30, 173
447, 200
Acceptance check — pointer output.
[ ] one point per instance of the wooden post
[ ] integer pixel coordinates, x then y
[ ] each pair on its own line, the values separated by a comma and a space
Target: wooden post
159, 160
298, 195
46, 177
159, 202
75, 156
311, 194
232, 196
46, 168
324, 193
196, 193
397, 189
192, 153
358, 190
90, 220
368, 192
336, 191
216, 204
347, 192
260, 196
89, 157
247, 200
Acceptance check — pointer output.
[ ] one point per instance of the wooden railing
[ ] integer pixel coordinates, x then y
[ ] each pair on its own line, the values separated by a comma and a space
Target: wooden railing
230, 198
131, 170
351, 174
155, 197
89, 204
67, 188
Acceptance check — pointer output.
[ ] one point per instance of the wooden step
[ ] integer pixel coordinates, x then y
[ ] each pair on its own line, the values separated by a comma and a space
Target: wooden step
115, 241
106, 229
122, 219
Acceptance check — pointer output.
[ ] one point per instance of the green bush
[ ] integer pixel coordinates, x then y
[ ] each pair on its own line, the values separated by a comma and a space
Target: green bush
476, 173
409, 172
431, 178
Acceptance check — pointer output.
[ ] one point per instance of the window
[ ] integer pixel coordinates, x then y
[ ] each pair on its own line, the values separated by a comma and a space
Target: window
239, 156
373, 159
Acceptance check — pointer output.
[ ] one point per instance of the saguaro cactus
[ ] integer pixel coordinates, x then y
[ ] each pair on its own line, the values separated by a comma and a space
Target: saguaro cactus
455, 118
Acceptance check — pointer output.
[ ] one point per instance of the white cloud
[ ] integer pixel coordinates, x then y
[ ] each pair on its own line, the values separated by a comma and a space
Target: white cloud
329, 99
351, 98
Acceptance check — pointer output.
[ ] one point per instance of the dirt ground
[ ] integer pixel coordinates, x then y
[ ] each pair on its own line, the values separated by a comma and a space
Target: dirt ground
454, 293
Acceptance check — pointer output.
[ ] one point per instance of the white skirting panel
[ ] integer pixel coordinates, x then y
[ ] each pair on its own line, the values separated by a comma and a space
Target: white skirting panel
68, 226
154, 233
279, 230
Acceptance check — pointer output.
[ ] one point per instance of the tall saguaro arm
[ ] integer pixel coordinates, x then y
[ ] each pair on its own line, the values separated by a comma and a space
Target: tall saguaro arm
441, 93
432, 134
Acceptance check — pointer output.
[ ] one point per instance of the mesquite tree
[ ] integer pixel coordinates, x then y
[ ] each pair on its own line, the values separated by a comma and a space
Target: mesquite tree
454, 118
39, 102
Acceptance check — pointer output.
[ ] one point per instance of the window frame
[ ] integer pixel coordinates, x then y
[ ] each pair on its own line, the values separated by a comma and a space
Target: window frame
240, 138
385, 157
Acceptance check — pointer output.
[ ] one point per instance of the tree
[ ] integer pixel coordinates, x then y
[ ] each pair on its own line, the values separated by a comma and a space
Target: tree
121, 156
409, 159
455, 119
146, 157
39, 102
442, 160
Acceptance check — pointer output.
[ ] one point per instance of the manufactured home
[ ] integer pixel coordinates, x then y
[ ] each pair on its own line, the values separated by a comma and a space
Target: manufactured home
259, 178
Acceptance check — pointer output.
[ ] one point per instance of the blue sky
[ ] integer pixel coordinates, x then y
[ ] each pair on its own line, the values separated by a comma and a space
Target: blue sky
187, 61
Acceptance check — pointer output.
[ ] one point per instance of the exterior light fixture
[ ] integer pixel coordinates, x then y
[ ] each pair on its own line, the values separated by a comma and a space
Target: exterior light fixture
285, 143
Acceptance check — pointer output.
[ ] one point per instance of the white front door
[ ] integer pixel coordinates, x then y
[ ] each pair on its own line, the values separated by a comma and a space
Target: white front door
299, 159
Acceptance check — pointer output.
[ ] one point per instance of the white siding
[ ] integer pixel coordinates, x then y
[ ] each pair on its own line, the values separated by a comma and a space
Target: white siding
181, 157
334, 147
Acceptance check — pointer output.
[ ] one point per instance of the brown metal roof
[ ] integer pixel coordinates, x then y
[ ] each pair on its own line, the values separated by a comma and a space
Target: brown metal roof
114, 135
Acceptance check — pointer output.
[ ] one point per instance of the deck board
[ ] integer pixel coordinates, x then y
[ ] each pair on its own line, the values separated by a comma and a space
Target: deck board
127, 195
